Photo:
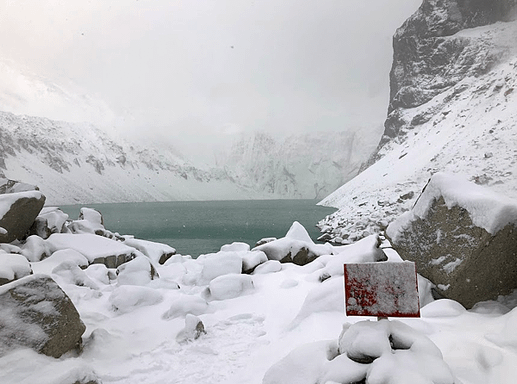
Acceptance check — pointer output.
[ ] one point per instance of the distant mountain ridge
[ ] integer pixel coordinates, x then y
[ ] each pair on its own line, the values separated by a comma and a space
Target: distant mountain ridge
453, 108
309, 165
81, 163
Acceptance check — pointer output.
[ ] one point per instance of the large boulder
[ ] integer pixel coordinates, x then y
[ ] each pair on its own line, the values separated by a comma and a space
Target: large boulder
50, 220
36, 313
13, 267
17, 213
97, 249
296, 247
462, 237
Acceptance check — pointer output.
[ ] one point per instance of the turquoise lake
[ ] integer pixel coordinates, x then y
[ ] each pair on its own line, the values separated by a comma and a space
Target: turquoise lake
200, 227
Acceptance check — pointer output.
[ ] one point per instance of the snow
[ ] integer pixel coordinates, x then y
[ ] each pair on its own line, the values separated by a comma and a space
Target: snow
280, 324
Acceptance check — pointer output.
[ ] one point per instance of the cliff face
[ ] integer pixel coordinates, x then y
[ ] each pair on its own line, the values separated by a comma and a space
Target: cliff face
453, 108
430, 58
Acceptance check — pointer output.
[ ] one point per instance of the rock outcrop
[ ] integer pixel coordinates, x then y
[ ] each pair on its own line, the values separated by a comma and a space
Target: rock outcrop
428, 59
463, 238
36, 313
17, 213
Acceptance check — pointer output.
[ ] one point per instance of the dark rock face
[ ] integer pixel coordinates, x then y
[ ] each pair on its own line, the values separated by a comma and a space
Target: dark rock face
467, 263
21, 215
428, 59
36, 313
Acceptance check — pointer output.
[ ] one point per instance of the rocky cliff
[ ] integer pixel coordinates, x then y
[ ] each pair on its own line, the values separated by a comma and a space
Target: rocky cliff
306, 166
452, 108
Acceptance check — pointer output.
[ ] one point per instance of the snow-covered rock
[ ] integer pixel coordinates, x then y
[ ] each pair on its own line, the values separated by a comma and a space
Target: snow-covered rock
127, 298
18, 212
229, 286
186, 304
36, 313
463, 237
296, 247
97, 249
13, 267
370, 352
157, 252
138, 271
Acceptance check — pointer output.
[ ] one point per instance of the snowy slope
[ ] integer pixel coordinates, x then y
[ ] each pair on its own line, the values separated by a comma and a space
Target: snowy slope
80, 163
470, 128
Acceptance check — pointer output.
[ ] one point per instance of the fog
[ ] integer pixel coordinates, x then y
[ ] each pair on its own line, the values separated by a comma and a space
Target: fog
200, 71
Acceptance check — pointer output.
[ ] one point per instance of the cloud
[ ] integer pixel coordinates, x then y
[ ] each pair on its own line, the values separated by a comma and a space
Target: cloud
187, 66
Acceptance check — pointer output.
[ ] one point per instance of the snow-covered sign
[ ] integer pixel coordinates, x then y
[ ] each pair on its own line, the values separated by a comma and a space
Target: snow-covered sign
383, 289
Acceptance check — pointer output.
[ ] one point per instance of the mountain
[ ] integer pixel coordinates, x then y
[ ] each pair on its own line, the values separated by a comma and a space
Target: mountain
453, 107
80, 163
306, 166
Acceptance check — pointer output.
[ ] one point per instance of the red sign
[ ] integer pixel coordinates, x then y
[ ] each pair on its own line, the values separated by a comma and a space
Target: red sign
383, 289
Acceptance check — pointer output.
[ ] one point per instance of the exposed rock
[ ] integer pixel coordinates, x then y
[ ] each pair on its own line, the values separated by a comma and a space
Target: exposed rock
426, 60
194, 328
463, 238
18, 212
36, 313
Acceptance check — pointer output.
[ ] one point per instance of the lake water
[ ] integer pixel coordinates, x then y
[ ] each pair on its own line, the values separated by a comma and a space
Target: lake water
199, 227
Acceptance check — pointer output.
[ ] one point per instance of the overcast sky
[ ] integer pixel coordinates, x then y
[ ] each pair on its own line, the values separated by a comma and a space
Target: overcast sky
218, 66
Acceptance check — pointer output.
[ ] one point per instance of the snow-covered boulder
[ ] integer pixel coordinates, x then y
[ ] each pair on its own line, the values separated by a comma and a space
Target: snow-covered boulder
50, 220
296, 247
91, 215
138, 271
97, 249
127, 298
366, 250
366, 352
229, 286
462, 237
17, 213
213, 265
186, 304
157, 252
194, 328
13, 267
251, 260
36, 313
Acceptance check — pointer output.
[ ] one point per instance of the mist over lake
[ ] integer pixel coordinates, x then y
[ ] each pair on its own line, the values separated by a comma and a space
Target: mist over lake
200, 227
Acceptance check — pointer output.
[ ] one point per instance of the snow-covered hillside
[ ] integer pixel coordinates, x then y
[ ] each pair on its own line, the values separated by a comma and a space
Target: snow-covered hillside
469, 127
298, 166
73, 163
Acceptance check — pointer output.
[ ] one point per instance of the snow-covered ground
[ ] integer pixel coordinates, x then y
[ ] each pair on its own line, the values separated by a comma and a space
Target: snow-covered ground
141, 330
